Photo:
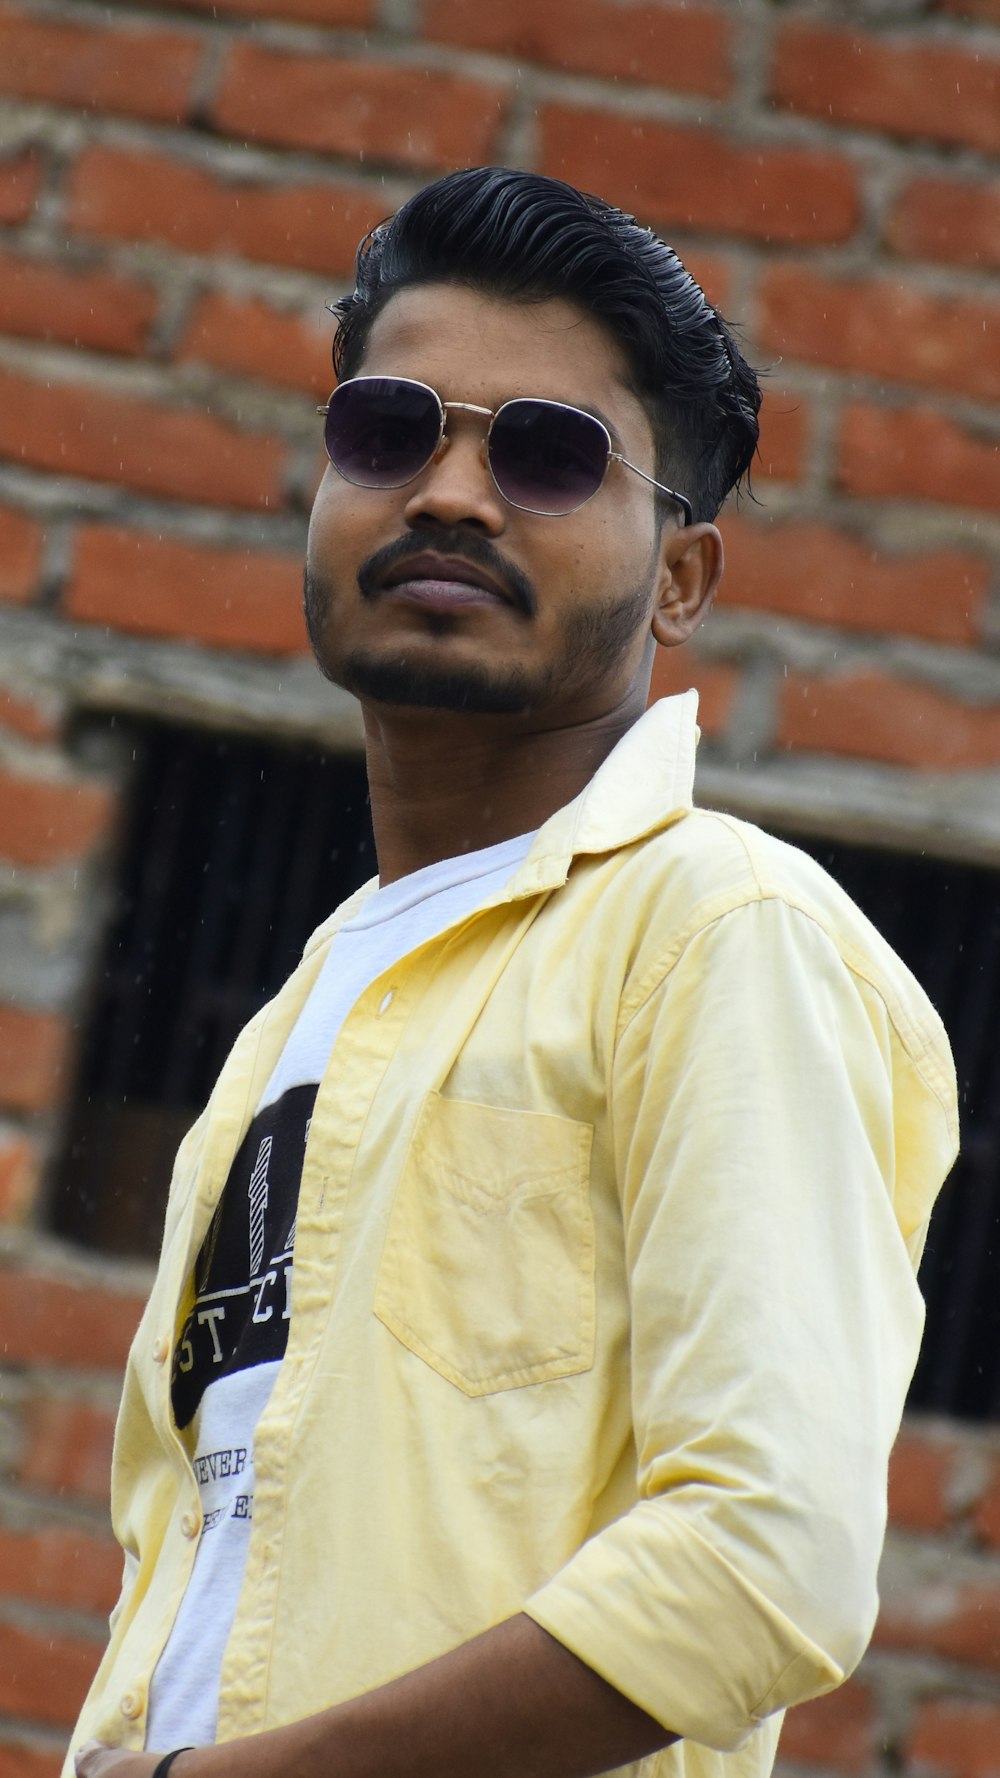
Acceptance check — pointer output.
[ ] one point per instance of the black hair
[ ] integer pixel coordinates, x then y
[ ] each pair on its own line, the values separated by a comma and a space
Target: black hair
530, 238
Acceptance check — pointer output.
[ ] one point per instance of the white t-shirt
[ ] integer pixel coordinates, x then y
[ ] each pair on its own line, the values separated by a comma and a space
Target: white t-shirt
233, 1342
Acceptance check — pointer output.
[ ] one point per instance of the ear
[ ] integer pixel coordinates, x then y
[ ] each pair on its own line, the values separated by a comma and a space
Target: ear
690, 571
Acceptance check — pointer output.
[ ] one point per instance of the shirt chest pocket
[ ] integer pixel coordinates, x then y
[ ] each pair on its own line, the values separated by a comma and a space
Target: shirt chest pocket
487, 1272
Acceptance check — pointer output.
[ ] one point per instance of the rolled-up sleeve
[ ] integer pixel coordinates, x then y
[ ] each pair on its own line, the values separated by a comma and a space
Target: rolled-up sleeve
778, 1142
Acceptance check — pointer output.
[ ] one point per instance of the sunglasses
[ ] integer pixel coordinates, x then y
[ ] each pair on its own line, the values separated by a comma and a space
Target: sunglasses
544, 457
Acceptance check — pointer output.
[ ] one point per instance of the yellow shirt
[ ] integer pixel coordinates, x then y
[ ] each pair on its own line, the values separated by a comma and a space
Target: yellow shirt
604, 1304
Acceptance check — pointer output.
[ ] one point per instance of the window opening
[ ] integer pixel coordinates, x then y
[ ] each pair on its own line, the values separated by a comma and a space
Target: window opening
236, 849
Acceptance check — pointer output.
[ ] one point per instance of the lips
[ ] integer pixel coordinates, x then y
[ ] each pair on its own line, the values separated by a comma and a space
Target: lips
434, 579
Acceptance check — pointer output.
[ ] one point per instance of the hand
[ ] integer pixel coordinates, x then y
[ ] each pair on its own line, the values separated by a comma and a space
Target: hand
96, 1760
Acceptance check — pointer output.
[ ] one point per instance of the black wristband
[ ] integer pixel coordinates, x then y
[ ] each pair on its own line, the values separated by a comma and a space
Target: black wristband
167, 1761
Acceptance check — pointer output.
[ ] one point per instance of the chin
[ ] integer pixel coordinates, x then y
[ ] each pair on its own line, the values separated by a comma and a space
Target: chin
473, 691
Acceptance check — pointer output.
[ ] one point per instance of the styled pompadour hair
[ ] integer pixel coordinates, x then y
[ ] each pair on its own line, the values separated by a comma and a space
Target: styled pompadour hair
529, 238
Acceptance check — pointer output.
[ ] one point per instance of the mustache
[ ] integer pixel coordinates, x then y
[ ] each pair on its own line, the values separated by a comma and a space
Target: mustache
464, 545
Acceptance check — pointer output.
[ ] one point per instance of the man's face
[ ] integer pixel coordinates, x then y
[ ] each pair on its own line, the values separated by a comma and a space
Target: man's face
395, 605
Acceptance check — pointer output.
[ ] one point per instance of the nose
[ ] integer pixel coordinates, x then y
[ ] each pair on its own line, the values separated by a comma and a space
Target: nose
457, 488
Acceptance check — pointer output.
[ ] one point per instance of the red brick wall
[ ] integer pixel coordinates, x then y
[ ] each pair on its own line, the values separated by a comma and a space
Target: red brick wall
182, 185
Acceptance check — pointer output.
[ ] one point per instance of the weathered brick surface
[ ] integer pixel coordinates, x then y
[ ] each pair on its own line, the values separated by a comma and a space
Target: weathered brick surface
21, 542
137, 196
143, 73
917, 453
155, 585
309, 12
20, 1761
689, 177
882, 327
31, 716
67, 1448
60, 1565
680, 48
920, 1475
47, 1320
955, 1738
826, 576
947, 219
987, 1520
44, 1677
251, 338
904, 87
48, 821
838, 1730
183, 453
716, 684
408, 114
19, 1167
74, 305
959, 1622
33, 1048
20, 176
869, 716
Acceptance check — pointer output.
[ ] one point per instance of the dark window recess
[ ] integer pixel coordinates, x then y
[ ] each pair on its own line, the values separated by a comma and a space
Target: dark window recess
237, 849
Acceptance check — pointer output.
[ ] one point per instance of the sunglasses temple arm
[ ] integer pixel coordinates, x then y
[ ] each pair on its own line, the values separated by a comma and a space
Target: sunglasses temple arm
684, 504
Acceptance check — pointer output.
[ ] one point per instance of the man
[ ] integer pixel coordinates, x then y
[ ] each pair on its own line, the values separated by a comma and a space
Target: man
539, 1282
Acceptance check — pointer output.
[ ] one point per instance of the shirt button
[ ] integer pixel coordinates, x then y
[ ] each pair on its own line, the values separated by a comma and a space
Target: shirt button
386, 1001
191, 1524
160, 1350
131, 1705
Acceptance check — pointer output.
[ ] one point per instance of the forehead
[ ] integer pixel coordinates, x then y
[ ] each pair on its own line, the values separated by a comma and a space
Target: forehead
470, 346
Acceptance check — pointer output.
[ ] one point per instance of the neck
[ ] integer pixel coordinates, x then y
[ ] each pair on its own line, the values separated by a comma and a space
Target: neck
442, 784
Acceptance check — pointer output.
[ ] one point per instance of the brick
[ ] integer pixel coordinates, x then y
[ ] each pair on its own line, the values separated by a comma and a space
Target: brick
19, 1761
33, 1048
19, 1172
837, 1730
137, 72
21, 541
48, 1320
870, 716
785, 425
155, 585
411, 115
947, 219
682, 49
916, 453
309, 12
67, 1448
678, 175
60, 1565
44, 1677
988, 11
808, 570
123, 195
255, 340
920, 1472
46, 821
956, 1623
881, 327
911, 87
76, 306
20, 178
955, 1738
717, 683
36, 719
987, 1516
75, 429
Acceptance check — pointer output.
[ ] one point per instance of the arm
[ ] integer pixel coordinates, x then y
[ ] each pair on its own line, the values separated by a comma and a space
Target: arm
512, 1703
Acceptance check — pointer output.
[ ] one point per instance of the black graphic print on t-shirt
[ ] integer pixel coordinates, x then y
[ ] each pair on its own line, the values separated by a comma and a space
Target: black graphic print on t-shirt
243, 1275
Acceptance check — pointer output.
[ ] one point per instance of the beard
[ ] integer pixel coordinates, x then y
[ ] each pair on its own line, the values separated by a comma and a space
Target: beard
594, 639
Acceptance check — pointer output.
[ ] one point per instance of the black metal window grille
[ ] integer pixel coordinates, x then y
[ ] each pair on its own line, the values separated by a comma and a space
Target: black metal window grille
236, 849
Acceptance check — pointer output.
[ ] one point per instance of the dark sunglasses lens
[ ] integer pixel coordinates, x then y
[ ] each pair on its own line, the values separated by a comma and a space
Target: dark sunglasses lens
380, 431
547, 458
